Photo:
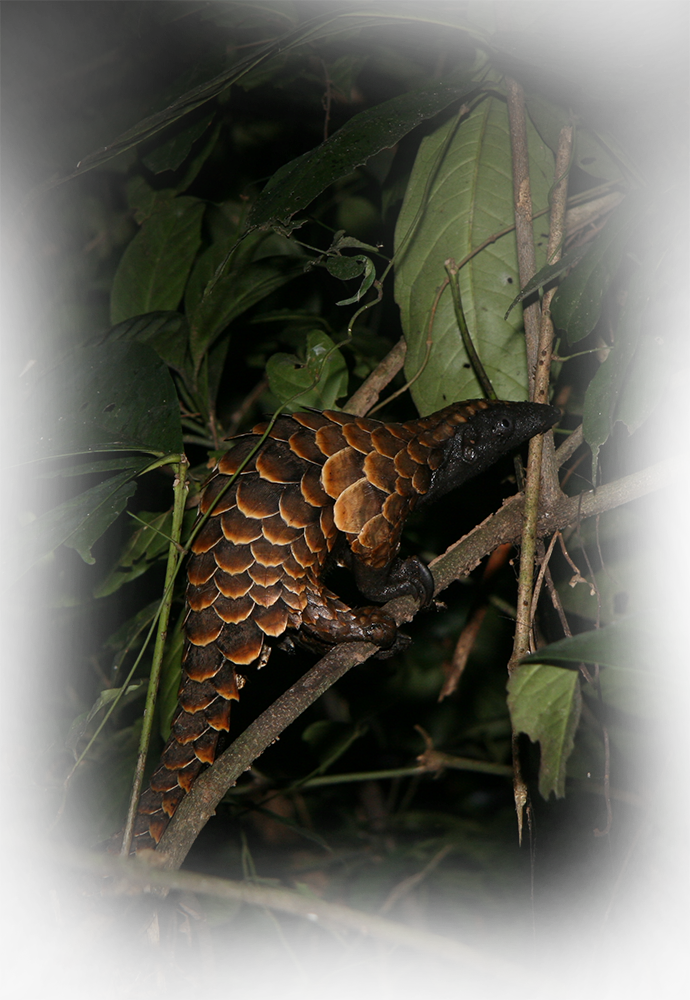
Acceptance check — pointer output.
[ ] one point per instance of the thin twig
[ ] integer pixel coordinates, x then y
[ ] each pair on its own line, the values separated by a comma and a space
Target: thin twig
539, 366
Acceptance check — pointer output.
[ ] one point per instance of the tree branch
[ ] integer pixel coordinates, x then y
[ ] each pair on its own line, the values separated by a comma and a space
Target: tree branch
503, 526
368, 393
136, 872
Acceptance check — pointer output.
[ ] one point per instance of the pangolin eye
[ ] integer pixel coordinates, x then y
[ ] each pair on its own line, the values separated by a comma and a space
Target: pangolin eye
469, 452
504, 425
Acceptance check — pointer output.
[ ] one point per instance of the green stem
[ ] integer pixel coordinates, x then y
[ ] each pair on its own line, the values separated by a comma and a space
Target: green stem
180, 495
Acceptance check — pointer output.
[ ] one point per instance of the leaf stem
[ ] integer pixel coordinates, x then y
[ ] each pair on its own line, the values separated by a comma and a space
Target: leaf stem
453, 272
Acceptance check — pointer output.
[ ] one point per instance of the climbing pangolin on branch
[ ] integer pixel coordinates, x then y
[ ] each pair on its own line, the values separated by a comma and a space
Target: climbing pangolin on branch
321, 488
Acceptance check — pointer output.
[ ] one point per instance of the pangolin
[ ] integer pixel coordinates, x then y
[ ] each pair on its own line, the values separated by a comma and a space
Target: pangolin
322, 487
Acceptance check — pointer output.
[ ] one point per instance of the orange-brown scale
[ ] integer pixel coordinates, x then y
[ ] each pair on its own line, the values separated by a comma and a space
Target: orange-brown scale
257, 563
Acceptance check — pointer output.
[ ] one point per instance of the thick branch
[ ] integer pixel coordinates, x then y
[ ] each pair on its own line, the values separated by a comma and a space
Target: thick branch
503, 526
198, 807
137, 873
368, 393
506, 524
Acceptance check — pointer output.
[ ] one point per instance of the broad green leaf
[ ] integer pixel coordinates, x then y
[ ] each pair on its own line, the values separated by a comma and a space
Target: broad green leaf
646, 380
110, 397
127, 637
340, 24
172, 152
318, 381
632, 575
145, 200
600, 401
347, 268
166, 332
545, 702
299, 182
233, 294
460, 193
77, 523
145, 546
576, 307
646, 657
547, 273
97, 521
155, 266
228, 253
135, 465
105, 698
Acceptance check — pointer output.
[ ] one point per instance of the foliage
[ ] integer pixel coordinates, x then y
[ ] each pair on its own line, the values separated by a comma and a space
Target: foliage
259, 228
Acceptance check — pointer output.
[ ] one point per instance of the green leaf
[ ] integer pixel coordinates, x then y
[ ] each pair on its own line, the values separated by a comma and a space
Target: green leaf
155, 266
299, 182
77, 523
646, 381
347, 268
646, 657
233, 294
600, 400
127, 637
97, 522
545, 702
339, 25
105, 698
460, 193
632, 575
576, 307
319, 381
110, 397
172, 152
166, 332
547, 273
145, 546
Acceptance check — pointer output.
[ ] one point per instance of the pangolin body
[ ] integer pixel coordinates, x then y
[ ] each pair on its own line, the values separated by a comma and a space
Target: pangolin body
321, 487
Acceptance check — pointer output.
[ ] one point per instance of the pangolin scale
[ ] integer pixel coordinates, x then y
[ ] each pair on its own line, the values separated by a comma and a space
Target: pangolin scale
321, 487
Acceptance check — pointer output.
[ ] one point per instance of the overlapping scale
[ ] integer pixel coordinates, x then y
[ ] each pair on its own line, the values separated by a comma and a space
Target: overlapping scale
257, 562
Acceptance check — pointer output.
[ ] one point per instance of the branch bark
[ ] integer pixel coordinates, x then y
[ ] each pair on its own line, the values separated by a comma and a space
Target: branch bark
137, 873
503, 526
